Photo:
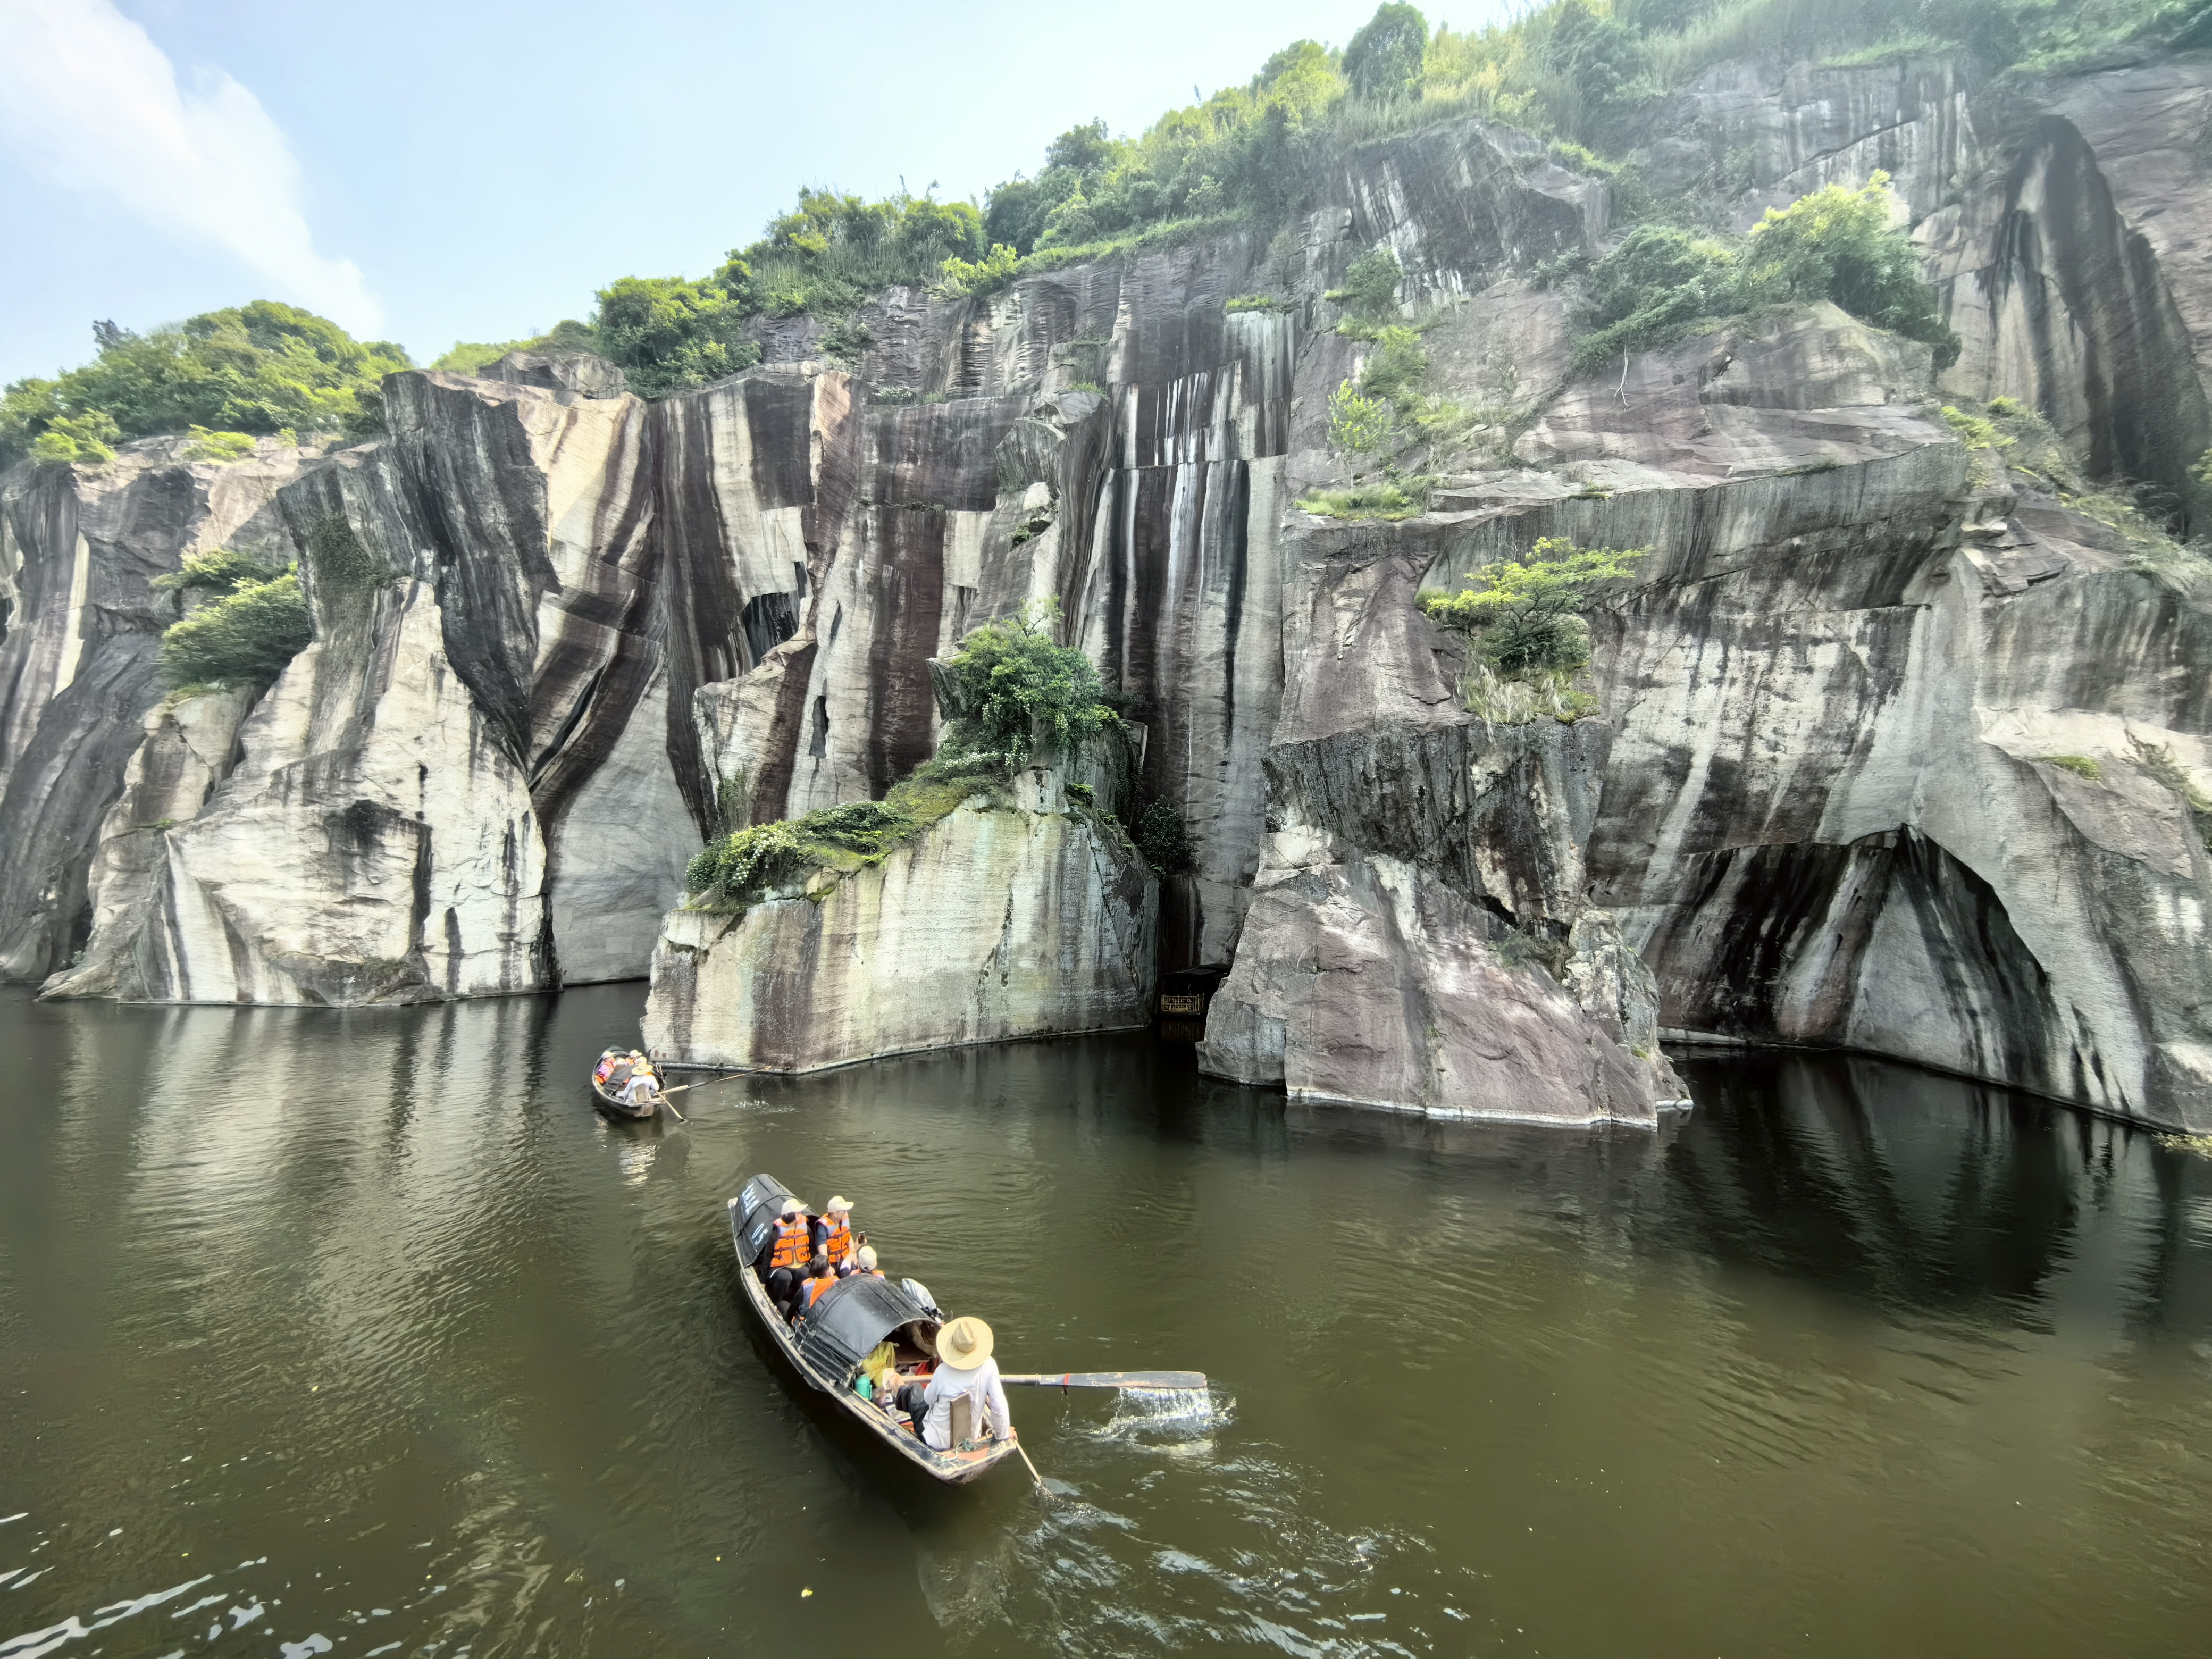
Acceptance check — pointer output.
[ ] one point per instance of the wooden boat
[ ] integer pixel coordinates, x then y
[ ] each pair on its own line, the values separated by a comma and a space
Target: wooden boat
615, 1107
843, 1329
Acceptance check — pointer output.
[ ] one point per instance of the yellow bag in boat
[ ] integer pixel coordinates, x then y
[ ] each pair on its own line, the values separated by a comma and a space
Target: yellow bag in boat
881, 1358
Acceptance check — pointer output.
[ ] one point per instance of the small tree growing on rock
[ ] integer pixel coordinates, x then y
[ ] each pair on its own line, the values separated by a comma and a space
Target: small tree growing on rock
1019, 692
1525, 612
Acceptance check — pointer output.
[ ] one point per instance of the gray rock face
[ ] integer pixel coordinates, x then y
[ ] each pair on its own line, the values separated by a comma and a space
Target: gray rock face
79, 550
1888, 754
999, 923
1364, 980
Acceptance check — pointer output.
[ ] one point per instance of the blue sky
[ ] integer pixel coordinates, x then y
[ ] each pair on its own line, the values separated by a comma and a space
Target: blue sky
433, 172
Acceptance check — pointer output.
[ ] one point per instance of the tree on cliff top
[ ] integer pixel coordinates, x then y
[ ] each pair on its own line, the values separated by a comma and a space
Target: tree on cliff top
1383, 61
255, 368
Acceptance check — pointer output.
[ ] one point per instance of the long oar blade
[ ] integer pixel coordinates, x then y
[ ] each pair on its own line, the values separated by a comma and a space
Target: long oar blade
1108, 1379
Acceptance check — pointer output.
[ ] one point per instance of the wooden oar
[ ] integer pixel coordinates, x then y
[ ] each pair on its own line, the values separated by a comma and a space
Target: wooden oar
681, 1087
1108, 1379
1042, 1490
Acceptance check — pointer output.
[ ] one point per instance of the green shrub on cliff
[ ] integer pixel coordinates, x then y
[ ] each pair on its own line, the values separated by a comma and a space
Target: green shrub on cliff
738, 869
1850, 246
1164, 840
82, 440
1022, 694
245, 638
254, 369
669, 334
218, 571
1662, 283
1523, 612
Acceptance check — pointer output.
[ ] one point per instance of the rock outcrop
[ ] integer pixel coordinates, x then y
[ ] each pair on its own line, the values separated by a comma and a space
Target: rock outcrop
80, 549
1032, 918
1894, 748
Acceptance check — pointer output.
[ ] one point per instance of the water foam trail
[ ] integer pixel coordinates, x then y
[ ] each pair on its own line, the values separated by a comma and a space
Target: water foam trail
1166, 1409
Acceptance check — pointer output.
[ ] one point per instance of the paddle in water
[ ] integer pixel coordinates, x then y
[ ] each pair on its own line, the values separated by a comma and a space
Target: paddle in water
1106, 1379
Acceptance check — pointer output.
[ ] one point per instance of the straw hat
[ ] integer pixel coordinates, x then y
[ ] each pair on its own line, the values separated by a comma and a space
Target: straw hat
836, 1204
965, 1342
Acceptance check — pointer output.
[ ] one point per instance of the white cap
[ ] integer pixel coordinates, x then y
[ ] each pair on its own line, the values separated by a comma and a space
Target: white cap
841, 1204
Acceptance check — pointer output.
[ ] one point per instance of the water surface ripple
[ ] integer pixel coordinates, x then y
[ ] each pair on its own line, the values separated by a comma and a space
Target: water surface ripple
359, 1333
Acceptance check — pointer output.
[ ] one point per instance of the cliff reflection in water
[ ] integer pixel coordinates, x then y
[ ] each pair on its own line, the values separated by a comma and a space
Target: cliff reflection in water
370, 1305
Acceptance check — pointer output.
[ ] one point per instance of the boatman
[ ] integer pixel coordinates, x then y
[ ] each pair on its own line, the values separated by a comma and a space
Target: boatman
789, 1249
964, 1367
833, 1235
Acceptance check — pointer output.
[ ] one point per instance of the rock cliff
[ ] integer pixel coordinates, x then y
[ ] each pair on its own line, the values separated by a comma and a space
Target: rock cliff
1004, 920
1894, 748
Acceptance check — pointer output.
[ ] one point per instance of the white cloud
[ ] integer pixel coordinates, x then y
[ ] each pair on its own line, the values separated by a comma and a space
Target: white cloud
88, 100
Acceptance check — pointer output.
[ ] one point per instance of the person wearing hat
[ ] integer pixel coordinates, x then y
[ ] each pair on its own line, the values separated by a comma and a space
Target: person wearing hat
833, 1235
863, 1262
964, 1367
642, 1085
789, 1250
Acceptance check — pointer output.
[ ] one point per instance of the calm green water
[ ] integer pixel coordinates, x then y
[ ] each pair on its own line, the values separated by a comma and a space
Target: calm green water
361, 1333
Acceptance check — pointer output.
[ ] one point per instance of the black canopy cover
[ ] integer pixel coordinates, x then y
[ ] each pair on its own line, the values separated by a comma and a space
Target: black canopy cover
850, 1320
758, 1205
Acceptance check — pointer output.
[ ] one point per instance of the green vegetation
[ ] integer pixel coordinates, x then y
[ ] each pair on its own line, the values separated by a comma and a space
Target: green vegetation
1257, 302
2080, 765
1385, 498
1017, 689
340, 563
1164, 840
1370, 293
957, 277
1019, 692
1359, 424
78, 439
1663, 283
1525, 613
2158, 760
1585, 75
218, 571
473, 357
221, 447
244, 638
255, 369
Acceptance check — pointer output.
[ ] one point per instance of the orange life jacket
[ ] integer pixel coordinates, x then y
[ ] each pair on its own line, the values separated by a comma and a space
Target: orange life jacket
815, 1286
792, 1244
836, 1239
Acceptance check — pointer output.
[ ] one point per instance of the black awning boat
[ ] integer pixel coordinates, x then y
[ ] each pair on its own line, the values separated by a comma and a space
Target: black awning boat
845, 1325
607, 1096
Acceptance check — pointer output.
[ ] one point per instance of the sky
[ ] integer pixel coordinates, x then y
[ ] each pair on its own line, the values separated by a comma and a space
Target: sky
428, 171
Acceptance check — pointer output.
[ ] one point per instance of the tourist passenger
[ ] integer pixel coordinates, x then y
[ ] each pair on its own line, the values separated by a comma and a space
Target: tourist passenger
605, 1069
788, 1254
833, 1234
863, 1260
964, 1367
820, 1276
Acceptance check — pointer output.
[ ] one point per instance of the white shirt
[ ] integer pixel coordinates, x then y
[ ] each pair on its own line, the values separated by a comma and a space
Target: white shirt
638, 1085
980, 1384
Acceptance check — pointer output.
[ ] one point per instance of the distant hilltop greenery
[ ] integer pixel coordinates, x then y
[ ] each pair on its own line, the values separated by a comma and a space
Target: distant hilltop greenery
1587, 75
262, 368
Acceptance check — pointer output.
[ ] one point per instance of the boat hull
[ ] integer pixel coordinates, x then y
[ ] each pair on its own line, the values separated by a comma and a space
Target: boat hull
952, 1469
614, 1106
